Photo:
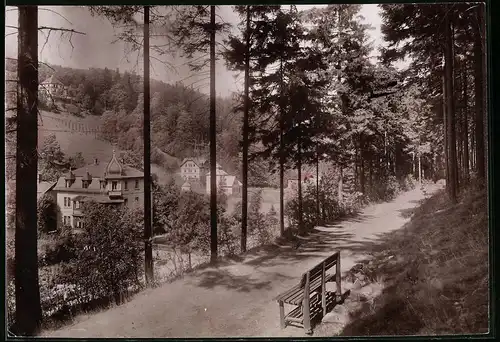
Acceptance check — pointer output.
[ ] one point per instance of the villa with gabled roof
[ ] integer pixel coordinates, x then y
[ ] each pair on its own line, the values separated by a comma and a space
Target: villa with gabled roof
111, 183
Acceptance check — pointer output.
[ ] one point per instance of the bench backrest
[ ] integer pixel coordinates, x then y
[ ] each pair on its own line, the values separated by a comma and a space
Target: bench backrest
317, 271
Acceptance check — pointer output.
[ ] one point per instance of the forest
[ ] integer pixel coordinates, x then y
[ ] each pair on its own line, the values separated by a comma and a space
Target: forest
313, 95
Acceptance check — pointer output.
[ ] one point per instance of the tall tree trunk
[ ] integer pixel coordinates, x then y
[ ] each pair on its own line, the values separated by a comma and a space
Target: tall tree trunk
414, 171
472, 145
244, 198
213, 146
362, 164
465, 124
340, 195
445, 129
28, 309
299, 171
317, 186
419, 167
479, 89
452, 187
282, 151
148, 228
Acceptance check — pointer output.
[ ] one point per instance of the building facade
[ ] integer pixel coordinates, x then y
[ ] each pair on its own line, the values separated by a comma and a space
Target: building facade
229, 184
193, 169
53, 88
108, 183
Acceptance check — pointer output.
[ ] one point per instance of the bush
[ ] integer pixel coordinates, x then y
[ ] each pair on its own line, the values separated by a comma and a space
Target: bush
62, 250
108, 251
408, 183
47, 210
384, 189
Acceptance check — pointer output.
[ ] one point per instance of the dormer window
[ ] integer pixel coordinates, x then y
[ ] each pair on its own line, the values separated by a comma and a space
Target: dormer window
85, 184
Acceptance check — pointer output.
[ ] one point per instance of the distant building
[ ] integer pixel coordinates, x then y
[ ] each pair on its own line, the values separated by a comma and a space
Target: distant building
186, 186
229, 184
52, 88
109, 183
196, 169
308, 179
193, 168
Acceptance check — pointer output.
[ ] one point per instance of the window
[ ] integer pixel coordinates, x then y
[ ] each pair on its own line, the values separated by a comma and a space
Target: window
137, 184
85, 184
114, 185
137, 199
125, 183
125, 201
77, 204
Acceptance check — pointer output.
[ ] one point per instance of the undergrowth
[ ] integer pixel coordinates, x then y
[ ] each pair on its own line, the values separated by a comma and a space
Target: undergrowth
436, 271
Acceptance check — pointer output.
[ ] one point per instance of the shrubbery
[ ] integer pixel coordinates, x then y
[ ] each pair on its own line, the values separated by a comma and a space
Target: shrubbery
108, 252
47, 212
62, 249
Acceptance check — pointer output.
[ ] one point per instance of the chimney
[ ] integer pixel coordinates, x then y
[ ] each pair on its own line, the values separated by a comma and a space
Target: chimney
96, 162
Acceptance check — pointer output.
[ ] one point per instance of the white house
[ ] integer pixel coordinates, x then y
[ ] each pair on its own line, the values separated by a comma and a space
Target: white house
110, 183
193, 168
229, 184
53, 88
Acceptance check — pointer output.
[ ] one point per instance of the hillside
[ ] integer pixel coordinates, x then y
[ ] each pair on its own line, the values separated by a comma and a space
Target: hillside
80, 133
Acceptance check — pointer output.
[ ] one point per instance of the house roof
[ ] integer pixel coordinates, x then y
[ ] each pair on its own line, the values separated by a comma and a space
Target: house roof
43, 187
96, 172
197, 160
231, 181
218, 172
52, 80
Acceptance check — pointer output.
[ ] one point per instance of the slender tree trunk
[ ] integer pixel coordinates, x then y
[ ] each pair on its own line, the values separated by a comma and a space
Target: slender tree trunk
472, 145
340, 195
28, 309
148, 229
299, 171
213, 146
362, 164
445, 129
450, 92
465, 124
282, 151
414, 172
419, 168
317, 187
479, 89
244, 198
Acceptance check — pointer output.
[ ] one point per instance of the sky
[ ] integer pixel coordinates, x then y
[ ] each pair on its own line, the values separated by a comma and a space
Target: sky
97, 47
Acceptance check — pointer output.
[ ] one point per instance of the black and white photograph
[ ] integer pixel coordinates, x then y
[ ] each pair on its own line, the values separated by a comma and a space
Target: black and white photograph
217, 171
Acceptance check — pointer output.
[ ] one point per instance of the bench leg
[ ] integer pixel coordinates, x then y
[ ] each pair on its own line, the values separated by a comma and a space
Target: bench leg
307, 318
282, 315
338, 279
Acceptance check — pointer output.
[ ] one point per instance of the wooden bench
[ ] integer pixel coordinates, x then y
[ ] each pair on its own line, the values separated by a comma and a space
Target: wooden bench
310, 297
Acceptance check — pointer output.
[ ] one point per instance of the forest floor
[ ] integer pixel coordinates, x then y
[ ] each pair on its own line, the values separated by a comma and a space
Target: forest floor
236, 298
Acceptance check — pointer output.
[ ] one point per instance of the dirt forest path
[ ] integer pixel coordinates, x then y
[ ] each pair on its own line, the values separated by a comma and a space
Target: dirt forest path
236, 299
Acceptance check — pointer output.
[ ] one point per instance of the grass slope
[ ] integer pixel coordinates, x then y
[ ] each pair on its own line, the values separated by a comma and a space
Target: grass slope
435, 270
76, 133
